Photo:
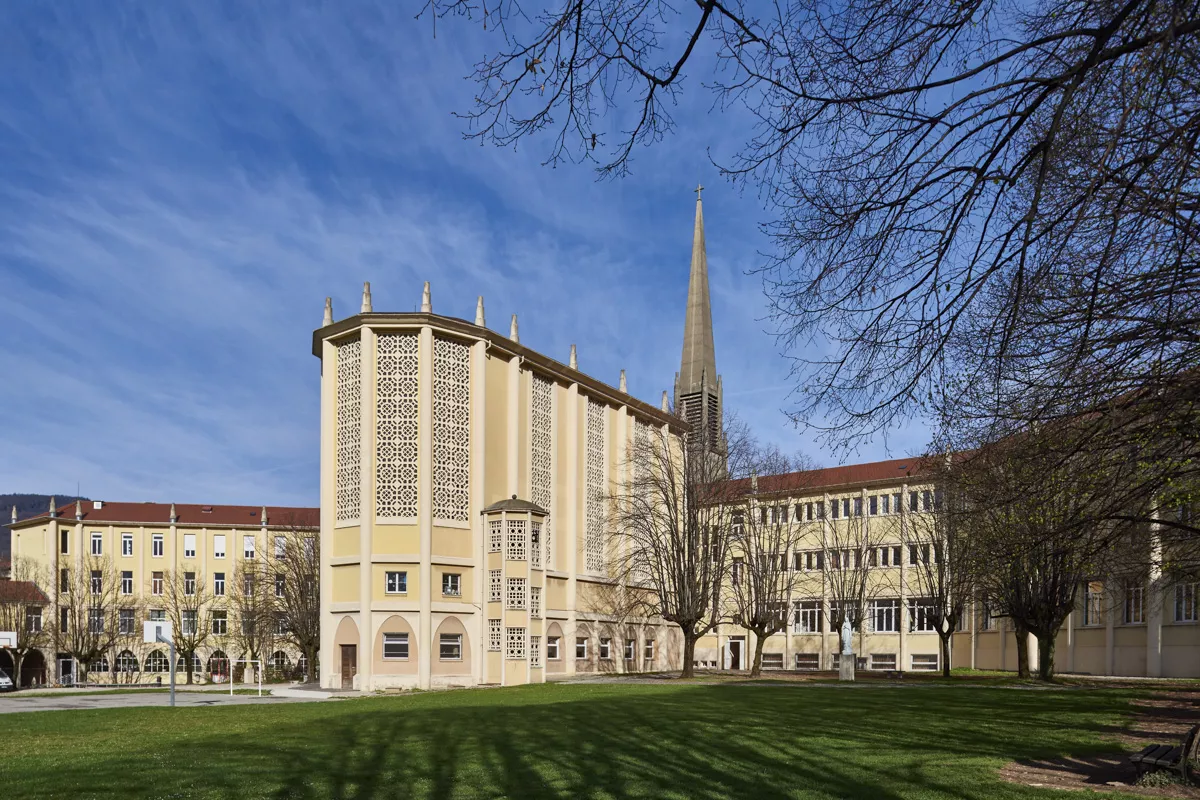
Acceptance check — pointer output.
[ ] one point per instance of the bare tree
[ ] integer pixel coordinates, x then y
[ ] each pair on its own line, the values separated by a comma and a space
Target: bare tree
89, 604
254, 607
188, 601
23, 606
671, 525
295, 563
852, 545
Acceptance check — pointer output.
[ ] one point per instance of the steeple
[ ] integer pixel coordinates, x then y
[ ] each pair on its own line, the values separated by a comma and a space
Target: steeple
697, 385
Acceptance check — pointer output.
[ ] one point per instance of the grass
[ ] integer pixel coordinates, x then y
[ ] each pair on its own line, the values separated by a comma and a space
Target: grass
675, 740
42, 693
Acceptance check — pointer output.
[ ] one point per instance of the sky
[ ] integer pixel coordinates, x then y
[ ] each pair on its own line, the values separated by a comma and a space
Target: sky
181, 186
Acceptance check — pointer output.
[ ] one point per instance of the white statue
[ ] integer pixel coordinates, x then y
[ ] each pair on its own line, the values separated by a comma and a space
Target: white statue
846, 635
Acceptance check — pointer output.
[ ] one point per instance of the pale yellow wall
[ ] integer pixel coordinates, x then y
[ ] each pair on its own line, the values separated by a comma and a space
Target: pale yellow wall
344, 541
495, 455
454, 542
395, 539
344, 583
379, 582
466, 583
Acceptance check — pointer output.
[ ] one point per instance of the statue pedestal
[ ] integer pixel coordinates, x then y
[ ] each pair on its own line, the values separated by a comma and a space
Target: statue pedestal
846, 667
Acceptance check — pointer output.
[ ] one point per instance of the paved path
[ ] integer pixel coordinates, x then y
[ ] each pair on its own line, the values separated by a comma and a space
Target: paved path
12, 705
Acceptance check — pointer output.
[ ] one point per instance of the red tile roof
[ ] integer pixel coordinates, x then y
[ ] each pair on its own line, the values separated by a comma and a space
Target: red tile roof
21, 591
832, 477
187, 514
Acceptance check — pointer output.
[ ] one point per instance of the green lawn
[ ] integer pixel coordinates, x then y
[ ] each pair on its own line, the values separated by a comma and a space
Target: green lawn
601, 740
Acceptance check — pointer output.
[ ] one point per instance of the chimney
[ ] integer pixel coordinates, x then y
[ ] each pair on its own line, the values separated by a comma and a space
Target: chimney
479, 313
328, 312
574, 360
174, 516
426, 302
366, 301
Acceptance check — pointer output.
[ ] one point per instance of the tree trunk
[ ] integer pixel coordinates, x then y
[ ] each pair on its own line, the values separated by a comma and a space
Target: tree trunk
18, 659
945, 637
756, 666
1022, 653
689, 653
1046, 657
189, 656
310, 663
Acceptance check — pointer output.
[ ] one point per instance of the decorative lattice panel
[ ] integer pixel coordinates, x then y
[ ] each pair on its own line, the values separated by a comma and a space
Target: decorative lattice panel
540, 454
535, 544
594, 534
349, 429
516, 591
514, 642
495, 536
535, 602
495, 586
495, 636
514, 544
396, 426
535, 651
451, 429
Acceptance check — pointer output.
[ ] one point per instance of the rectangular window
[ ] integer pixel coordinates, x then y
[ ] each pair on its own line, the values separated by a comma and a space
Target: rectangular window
846, 507
1185, 602
127, 581
883, 661
515, 594
219, 584
280, 546
552, 648
648, 651
886, 504
64, 580
495, 586
515, 641
924, 662
188, 623
922, 616
986, 621
896, 503
396, 582
820, 509
219, 545
808, 662
912, 501
64, 542
927, 500
514, 541
581, 647
97, 543
33, 619
189, 583
156, 545
450, 647
158, 615
64, 619
1093, 603
736, 574
918, 554
248, 546
630, 649
814, 560
885, 616
783, 514
189, 545
535, 544
220, 623
280, 584
834, 509
535, 602
1135, 604
808, 512
95, 620
395, 647
126, 544
535, 651
858, 506
807, 617
495, 635
605, 648
156, 583
772, 660
126, 621
452, 584
874, 505
495, 536
97, 581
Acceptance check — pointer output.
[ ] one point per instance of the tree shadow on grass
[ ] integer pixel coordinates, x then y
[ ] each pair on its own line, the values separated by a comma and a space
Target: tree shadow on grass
615, 742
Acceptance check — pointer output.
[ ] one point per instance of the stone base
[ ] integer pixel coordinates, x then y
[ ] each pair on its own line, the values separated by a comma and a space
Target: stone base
846, 667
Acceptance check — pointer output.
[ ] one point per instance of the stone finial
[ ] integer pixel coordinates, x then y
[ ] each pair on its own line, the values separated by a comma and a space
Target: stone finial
665, 405
513, 333
623, 386
53, 507
479, 313
174, 516
754, 480
328, 312
426, 301
366, 303
264, 516
574, 358
14, 515
78, 509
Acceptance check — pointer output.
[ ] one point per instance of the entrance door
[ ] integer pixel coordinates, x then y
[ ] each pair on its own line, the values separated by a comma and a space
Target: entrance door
735, 653
66, 671
349, 665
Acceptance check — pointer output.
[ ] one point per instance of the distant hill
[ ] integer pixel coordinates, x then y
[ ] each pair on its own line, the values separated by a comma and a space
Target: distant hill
28, 505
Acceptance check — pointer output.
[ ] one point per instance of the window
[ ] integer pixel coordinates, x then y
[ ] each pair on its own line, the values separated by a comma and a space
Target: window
126, 544
95, 620
127, 662
495, 536
535, 651
814, 559
535, 544
281, 625
495, 586
156, 583
922, 616
64, 580
630, 649
156, 545
858, 506
605, 648
883, 661
846, 507
807, 617
158, 615
450, 647
219, 545
535, 602
248, 584
820, 509
986, 621
395, 647
247, 546
494, 635
918, 554
834, 509
912, 501
280, 546
452, 584
808, 512
189, 583
189, 545
808, 662
127, 581
64, 542
220, 623
581, 647
64, 620
552, 648
157, 662
188, 623
772, 660
1185, 602
736, 574
396, 582
1093, 603
648, 651
33, 619
219, 584
97, 581
514, 643
885, 498
514, 541
896, 503
885, 617
1135, 604
515, 595
281, 582
927, 500
924, 662
783, 515
874, 508
97, 543
887, 557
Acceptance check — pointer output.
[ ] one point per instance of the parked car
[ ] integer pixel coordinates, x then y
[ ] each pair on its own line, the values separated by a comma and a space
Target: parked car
6, 683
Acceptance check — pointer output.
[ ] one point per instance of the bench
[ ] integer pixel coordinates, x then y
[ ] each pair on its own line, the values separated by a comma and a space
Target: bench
1164, 756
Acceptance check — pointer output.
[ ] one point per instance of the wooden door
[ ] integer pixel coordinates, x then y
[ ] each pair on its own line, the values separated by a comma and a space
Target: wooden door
349, 665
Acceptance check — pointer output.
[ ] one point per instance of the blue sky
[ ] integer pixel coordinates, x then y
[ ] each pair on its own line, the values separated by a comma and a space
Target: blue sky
181, 185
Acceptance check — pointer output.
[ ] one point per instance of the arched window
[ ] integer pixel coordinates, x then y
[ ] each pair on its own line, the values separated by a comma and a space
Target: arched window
280, 661
181, 664
99, 666
218, 664
302, 665
157, 662
127, 662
